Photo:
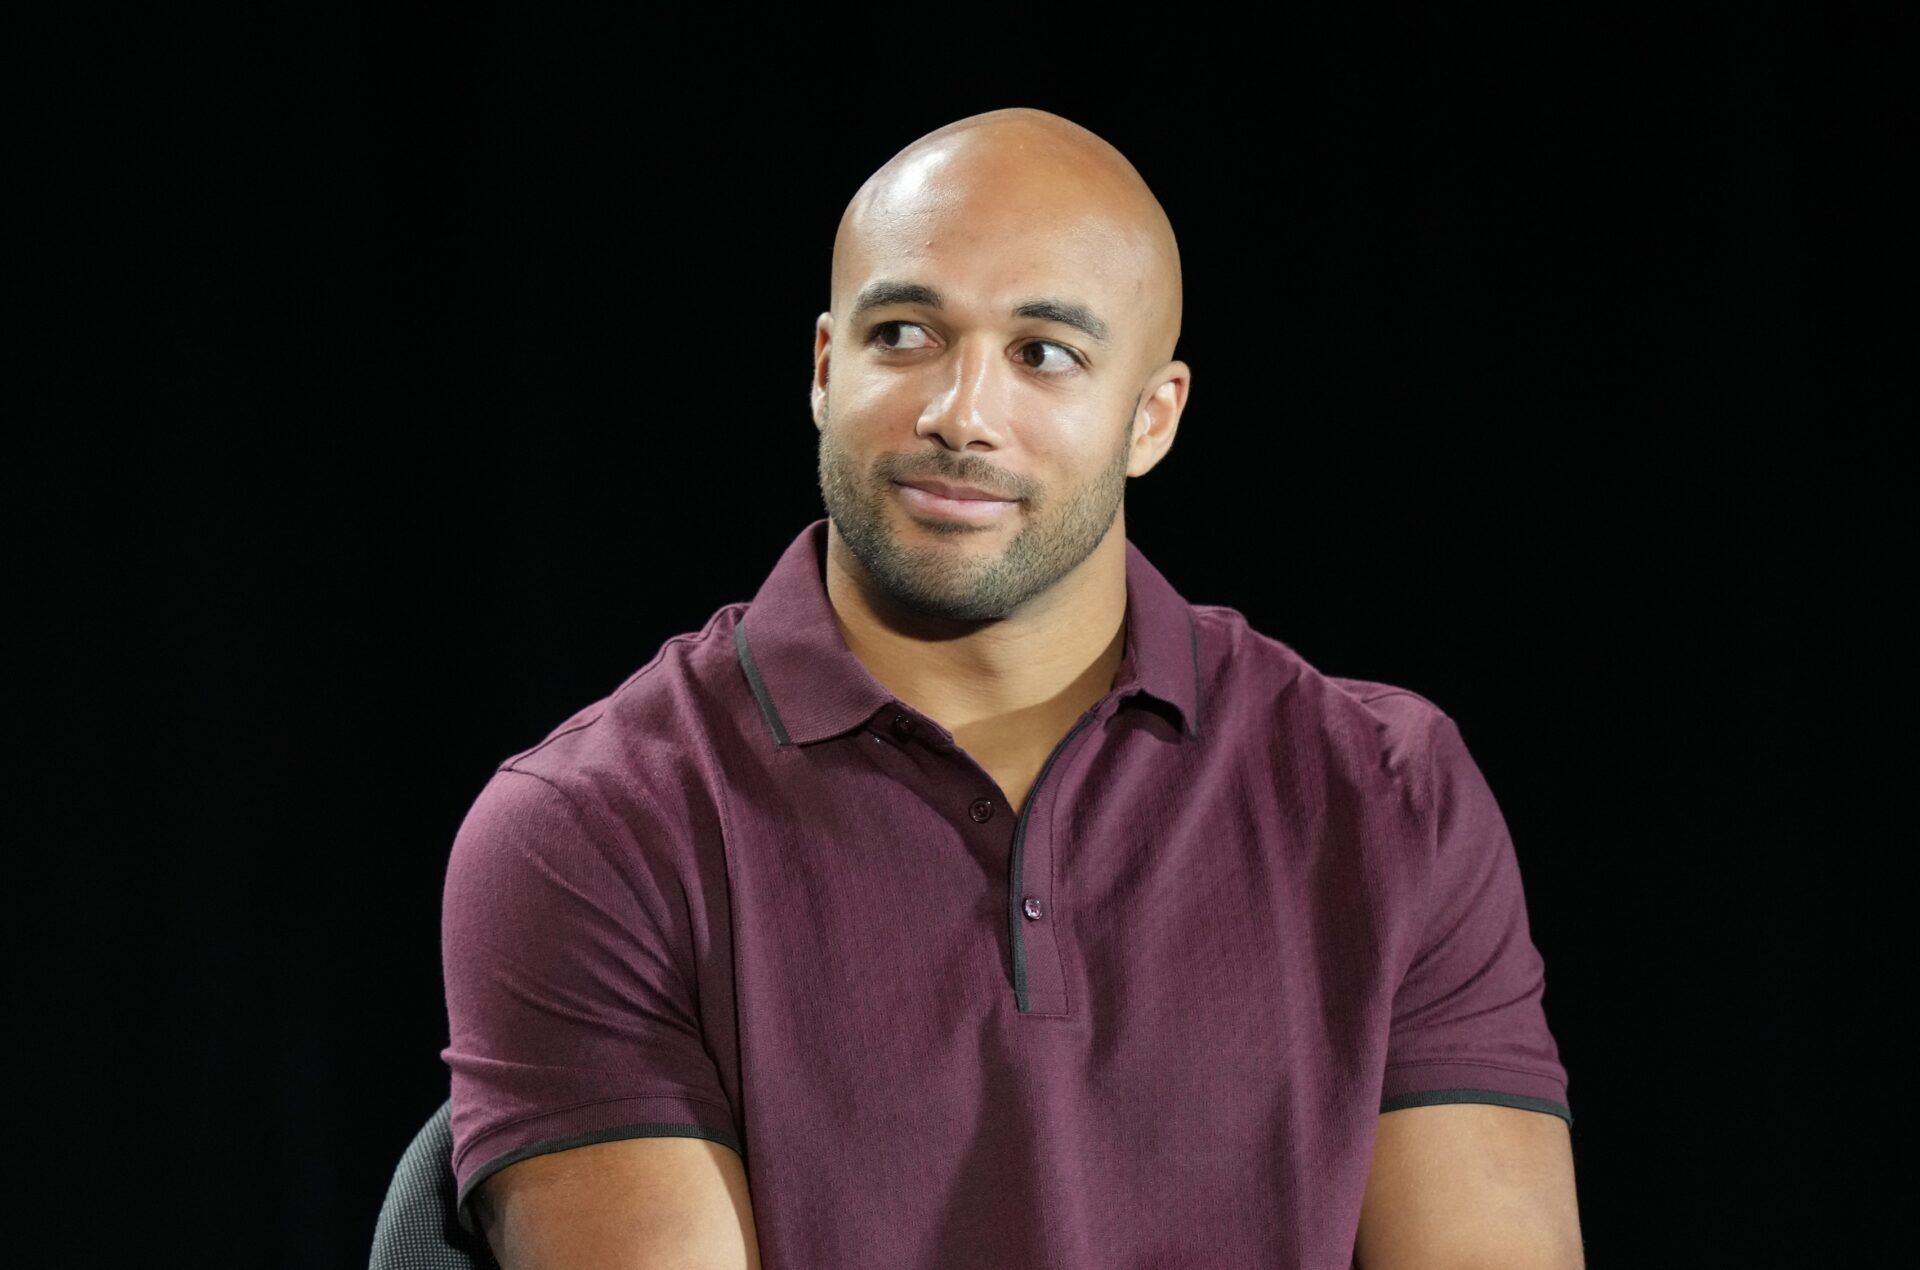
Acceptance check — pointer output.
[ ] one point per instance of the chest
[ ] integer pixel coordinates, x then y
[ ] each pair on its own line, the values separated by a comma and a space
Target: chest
1095, 876
1194, 1003
1014, 759
1015, 780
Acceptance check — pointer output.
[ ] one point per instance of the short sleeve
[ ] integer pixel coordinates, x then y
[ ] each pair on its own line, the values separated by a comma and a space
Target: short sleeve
571, 1014
1469, 1023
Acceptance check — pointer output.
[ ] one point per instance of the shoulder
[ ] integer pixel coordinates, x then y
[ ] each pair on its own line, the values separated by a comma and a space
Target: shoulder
1400, 719
628, 757
1271, 685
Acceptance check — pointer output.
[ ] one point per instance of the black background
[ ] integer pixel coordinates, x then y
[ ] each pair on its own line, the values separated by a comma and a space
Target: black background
411, 379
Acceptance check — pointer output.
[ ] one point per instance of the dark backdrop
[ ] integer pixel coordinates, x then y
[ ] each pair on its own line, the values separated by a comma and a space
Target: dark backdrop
429, 373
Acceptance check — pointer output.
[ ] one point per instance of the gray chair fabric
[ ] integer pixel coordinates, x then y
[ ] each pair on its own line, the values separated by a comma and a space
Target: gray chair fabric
418, 1229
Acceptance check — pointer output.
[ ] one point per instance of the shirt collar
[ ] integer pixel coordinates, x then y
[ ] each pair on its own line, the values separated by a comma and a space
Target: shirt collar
810, 686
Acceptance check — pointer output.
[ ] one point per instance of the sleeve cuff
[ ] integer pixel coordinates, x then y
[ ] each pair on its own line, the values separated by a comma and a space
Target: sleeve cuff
644, 1117
1426, 1084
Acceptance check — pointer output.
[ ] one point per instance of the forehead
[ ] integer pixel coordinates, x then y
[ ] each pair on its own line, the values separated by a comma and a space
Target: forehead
984, 233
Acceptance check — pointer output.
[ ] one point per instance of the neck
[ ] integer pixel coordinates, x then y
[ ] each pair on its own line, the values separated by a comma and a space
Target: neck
1050, 660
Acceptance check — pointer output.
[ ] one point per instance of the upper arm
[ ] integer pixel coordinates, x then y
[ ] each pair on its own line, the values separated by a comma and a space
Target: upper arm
1473, 1156
576, 1035
622, 1205
1469, 1013
1470, 1184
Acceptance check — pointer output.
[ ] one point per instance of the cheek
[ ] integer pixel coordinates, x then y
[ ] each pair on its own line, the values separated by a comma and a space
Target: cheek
1078, 437
871, 403
1057, 428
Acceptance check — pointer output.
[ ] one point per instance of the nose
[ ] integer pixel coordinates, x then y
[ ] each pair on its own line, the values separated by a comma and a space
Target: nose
971, 404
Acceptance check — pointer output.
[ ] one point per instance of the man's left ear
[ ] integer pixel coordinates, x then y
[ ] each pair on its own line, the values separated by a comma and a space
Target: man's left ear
1158, 411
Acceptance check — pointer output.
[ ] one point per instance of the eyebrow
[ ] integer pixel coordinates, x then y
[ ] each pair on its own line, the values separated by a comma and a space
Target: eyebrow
1066, 312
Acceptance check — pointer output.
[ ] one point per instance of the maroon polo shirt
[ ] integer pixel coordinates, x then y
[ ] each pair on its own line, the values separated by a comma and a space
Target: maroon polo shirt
1150, 1020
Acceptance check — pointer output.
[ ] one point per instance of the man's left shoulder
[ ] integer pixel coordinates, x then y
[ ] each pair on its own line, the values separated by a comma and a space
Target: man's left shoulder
1280, 692
1386, 726
1393, 705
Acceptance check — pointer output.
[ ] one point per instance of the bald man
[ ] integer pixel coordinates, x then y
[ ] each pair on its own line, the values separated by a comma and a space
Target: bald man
1222, 962
1000, 615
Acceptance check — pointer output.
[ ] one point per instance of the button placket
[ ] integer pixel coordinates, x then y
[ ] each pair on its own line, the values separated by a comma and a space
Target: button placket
1039, 977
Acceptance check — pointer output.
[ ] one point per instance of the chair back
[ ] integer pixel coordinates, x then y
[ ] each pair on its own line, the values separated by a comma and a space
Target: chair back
418, 1229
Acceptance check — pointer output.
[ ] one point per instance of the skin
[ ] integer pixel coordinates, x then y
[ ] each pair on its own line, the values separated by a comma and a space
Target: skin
1470, 1185
680, 1202
1004, 633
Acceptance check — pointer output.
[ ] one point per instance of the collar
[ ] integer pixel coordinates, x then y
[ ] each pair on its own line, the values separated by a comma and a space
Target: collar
811, 687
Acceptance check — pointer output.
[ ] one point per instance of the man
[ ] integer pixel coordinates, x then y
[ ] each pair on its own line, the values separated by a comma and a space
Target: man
969, 898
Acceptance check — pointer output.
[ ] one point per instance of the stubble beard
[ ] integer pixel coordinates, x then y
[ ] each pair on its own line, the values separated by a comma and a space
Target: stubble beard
948, 580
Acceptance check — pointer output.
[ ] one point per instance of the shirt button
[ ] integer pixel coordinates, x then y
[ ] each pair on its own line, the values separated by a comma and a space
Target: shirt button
1031, 907
982, 809
903, 726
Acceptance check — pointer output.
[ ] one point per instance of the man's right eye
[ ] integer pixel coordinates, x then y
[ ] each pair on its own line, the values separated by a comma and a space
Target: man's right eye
875, 334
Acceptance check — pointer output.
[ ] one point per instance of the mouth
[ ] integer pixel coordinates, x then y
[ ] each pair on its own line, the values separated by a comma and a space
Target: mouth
957, 492
941, 501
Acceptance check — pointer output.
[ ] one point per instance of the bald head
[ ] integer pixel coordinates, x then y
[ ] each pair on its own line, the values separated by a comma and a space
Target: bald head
1021, 166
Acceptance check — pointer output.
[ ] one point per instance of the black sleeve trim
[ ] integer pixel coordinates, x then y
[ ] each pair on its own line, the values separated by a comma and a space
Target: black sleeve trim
1431, 1097
465, 1213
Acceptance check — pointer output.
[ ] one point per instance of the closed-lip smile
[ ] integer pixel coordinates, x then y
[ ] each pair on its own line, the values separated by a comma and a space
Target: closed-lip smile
947, 489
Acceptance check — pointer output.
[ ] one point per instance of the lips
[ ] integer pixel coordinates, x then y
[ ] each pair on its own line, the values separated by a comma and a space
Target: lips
948, 489
931, 502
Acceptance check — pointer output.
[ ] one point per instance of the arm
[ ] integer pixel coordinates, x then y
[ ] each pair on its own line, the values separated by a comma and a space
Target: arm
628, 1204
587, 1106
1473, 1158
1470, 1184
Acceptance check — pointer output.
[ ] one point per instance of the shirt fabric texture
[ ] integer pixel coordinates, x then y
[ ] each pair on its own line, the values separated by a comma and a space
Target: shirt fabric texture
1149, 1021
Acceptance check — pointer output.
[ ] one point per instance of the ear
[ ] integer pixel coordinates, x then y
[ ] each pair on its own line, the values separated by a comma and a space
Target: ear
822, 354
1157, 417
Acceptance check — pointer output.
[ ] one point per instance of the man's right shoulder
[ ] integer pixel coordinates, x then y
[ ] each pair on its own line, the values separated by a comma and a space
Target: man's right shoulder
652, 731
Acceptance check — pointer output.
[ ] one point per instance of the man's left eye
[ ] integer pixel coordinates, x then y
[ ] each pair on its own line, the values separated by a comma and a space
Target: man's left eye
1061, 365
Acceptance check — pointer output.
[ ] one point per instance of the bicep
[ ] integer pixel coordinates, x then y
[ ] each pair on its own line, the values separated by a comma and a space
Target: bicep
573, 1008
1468, 1184
623, 1205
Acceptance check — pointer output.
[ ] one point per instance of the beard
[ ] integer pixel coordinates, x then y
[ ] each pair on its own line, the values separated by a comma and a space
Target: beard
950, 578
